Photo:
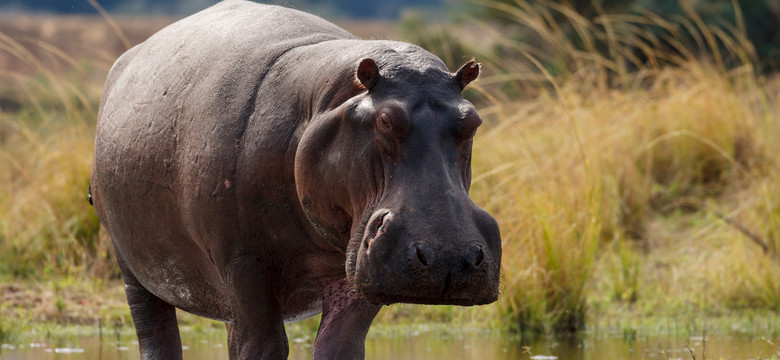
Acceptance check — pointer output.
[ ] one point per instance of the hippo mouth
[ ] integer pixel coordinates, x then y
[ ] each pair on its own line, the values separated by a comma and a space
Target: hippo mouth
446, 295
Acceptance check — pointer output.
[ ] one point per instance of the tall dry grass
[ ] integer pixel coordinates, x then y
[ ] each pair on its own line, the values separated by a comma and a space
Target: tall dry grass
47, 227
600, 132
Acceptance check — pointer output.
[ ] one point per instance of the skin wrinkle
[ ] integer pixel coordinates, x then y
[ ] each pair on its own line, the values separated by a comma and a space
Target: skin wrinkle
268, 175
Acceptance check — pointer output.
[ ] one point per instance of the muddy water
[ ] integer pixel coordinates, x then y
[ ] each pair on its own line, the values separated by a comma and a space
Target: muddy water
476, 346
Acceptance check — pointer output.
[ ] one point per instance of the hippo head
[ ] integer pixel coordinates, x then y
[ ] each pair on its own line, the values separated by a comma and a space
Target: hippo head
384, 177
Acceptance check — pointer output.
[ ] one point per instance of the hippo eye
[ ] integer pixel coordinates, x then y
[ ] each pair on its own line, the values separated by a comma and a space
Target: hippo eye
393, 123
385, 123
468, 128
391, 128
465, 148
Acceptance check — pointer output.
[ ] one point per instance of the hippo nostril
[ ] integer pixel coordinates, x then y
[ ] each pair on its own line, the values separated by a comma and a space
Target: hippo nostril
421, 257
475, 255
422, 253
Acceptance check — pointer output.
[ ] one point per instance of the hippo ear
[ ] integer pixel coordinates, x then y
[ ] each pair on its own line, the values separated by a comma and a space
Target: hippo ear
467, 73
368, 73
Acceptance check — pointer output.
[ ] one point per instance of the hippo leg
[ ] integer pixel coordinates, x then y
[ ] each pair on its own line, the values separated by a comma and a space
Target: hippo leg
345, 322
257, 328
155, 322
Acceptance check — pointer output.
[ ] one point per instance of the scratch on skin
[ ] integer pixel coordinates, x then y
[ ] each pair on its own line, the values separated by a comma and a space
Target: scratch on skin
163, 187
364, 150
141, 104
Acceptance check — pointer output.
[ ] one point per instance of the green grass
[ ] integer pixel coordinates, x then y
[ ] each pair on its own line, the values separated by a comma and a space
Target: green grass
627, 191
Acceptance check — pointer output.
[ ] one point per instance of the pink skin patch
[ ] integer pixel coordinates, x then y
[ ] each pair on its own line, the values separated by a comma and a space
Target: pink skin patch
380, 230
383, 226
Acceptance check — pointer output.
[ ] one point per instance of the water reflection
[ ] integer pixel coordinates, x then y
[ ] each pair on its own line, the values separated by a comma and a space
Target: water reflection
418, 346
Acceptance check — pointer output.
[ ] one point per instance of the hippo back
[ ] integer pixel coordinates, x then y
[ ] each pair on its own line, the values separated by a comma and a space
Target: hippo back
172, 120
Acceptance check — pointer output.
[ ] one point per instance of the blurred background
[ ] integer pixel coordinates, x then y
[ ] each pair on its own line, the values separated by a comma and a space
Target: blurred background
328, 8
629, 152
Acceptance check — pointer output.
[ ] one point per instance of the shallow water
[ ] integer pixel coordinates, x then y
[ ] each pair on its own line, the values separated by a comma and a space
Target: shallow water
414, 345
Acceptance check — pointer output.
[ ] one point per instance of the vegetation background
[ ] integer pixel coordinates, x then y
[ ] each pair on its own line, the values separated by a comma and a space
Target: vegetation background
387, 9
629, 153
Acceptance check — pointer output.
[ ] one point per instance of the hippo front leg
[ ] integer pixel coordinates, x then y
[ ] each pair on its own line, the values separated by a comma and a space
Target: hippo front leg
345, 322
257, 329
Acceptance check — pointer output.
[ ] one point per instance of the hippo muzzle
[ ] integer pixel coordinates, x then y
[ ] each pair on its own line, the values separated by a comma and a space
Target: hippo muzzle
405, 257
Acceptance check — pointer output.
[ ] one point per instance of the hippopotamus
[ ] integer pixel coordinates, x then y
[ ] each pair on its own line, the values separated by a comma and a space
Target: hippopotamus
259, 165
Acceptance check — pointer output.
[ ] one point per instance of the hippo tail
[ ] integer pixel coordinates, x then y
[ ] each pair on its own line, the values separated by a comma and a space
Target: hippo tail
89, 194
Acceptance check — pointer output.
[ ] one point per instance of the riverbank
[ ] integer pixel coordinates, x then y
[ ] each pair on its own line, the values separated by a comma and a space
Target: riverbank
92, 318
629, 195
84, 306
